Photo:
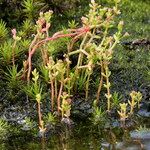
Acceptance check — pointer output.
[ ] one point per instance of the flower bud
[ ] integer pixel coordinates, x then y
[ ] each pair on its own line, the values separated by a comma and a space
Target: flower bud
120, 25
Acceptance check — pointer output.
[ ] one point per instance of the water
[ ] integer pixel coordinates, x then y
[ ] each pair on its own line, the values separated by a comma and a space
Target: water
81, 137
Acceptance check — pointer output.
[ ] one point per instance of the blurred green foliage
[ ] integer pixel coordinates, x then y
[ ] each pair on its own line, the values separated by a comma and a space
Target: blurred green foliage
135, 13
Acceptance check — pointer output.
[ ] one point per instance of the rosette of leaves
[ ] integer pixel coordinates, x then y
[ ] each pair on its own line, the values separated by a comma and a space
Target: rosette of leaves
12, 78
3, 31
4, 129
27, 28
33, 7
98, 115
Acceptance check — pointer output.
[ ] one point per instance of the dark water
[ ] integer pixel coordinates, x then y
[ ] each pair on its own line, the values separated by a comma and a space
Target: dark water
81, 137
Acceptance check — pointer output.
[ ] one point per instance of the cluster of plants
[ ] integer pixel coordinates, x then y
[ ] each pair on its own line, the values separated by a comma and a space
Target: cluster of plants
62, 65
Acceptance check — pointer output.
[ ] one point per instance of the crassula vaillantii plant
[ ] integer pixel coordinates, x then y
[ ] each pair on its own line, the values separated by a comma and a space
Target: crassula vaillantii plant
95, 45
88, 47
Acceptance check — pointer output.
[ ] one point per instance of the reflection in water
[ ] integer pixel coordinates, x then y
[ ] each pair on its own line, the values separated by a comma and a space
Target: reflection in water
64, 138
82, 138
126, 142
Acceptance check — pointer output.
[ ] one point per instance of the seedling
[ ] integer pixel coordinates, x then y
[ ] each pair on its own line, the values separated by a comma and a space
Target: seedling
3, 30
116, 98
136, 97
98, 114
123, 112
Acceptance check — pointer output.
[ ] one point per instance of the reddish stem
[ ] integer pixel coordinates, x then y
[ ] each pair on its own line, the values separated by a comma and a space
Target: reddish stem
39, 114
78, 32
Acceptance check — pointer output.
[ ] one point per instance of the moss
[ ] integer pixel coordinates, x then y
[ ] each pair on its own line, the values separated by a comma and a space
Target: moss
136, 17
